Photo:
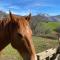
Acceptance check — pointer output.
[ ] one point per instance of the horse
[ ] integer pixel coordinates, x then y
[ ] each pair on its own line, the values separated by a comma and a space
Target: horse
16, 30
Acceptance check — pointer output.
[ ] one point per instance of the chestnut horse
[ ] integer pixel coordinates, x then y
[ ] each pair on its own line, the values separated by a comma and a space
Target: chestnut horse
16, 30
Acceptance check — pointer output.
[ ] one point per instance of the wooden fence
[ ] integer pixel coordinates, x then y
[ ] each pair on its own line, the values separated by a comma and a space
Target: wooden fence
47, 55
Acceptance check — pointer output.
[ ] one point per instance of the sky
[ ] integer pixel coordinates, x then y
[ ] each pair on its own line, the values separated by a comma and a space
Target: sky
24, 7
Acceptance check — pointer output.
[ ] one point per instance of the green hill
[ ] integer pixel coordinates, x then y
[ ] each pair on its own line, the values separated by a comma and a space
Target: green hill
52, 25
44, 27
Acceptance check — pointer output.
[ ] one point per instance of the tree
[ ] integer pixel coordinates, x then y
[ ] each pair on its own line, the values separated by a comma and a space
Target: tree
57, 30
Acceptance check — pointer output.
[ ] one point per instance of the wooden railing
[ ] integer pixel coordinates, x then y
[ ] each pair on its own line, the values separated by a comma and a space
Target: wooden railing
47, 55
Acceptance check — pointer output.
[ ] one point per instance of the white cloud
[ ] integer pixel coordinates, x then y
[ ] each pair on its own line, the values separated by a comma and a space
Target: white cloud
20, 13
14, 7
42, 4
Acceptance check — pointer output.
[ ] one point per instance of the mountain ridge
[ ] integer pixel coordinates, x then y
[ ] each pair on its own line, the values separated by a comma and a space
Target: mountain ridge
39, 17
46, 17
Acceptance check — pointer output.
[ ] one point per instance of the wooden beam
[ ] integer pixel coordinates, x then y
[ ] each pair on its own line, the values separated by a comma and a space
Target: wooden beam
48, 53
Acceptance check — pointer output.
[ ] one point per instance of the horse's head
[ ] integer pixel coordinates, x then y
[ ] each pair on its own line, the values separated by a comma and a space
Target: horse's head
21, 23
20, 27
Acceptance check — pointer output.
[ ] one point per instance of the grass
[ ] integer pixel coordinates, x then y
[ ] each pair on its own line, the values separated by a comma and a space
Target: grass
10, 53
40, 44
50, 25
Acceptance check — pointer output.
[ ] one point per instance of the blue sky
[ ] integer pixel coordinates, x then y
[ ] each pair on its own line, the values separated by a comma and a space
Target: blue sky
24, 7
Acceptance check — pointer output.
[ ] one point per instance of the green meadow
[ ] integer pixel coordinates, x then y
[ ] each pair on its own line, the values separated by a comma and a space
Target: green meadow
40, 45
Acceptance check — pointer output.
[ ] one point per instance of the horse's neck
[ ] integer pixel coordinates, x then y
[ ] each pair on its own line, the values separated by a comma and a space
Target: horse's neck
27, 57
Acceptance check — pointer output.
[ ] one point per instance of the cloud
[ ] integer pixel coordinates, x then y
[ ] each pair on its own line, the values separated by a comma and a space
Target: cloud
14, 7
42, 4
20, 13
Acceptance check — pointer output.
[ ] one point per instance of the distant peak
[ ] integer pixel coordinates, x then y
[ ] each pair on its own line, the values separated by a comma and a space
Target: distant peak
43, 14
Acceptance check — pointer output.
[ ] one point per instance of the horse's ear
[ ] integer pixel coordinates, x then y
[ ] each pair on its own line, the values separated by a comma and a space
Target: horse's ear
28, 18
10, 15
